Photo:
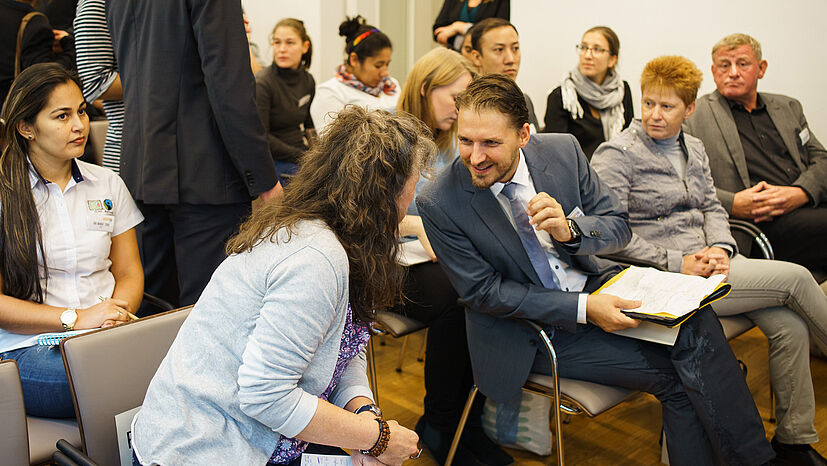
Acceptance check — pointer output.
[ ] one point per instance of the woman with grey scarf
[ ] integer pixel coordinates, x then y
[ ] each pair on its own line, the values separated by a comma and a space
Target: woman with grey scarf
592, 102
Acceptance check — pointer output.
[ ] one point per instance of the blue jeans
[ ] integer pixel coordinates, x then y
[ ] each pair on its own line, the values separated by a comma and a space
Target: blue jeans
285, 168
45, 385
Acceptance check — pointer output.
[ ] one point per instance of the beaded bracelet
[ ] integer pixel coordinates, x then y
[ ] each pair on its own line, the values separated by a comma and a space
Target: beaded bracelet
382, 442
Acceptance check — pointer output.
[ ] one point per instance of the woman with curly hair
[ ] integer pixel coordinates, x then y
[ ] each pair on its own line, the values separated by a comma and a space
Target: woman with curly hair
284, 320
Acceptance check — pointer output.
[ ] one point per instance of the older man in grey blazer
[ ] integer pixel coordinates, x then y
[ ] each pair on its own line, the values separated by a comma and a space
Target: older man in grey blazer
476, 215
767, 164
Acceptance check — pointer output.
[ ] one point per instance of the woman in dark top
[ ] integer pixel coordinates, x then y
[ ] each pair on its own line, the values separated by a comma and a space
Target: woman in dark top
592, 102
284, 91
457, 16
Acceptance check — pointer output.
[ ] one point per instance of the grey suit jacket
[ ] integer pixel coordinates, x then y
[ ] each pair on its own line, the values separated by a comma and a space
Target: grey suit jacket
191, 131
712, 122
483, 257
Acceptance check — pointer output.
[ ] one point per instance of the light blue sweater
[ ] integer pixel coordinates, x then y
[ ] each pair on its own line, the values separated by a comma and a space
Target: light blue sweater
254, 354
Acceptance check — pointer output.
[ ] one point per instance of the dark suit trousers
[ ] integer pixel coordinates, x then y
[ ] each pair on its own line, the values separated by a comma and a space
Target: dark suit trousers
800, 236
431, 299
708, 412
187, 237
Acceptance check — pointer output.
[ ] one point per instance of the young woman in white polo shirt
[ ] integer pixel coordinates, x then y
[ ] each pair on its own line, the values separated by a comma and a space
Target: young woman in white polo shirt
68, 254
362, 80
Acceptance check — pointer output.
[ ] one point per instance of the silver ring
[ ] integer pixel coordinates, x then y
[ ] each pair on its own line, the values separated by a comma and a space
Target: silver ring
413, 457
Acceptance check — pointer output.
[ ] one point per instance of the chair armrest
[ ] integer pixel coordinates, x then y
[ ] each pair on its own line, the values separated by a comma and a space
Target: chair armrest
626, 260
158, 302
755, 233
69, 455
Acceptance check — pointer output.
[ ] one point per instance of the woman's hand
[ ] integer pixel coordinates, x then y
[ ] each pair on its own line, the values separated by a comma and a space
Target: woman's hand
359, 459
446, 32
104, 314
402, 445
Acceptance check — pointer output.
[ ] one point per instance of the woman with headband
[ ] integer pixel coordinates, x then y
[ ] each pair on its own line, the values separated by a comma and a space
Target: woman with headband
362, 80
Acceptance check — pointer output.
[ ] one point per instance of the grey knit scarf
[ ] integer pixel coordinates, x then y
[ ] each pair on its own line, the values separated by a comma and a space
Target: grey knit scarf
607, 98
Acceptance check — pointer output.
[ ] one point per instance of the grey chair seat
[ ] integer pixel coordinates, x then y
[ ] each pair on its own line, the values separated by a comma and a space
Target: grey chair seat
735, 325
44, 434
588, 397
398, 325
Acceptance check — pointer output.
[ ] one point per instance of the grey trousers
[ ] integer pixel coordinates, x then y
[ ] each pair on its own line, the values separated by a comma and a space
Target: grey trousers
786, 303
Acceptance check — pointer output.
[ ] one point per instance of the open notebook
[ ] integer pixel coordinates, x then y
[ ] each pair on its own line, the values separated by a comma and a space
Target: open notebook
667, 298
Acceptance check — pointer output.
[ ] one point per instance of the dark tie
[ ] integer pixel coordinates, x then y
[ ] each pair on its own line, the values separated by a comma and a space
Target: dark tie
536, 254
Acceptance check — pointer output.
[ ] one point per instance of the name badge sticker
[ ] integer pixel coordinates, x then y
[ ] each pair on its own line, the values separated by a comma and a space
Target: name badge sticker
100, 221
304, 100
804, 136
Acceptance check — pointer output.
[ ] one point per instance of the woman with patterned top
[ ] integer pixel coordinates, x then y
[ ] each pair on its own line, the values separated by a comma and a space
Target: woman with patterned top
362, 80
272, 354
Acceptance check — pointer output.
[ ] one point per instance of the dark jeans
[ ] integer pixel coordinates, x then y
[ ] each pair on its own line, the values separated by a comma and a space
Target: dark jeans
43, 377
708, 411
188, 237
800, 236
285, 170
431, 299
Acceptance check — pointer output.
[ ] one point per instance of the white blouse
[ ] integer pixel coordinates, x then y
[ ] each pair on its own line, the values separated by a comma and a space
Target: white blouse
78, 225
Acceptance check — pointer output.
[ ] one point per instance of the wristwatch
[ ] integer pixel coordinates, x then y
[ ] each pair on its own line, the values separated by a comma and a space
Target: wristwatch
372, 408
575, 231
68, 318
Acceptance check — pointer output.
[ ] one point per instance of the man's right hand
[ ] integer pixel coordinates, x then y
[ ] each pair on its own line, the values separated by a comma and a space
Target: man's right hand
603, 310
276, 193
744, 203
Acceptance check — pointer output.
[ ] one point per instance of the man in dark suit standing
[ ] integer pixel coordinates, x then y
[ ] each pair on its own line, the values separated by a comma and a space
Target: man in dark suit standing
194, 152
767, 164
479, 215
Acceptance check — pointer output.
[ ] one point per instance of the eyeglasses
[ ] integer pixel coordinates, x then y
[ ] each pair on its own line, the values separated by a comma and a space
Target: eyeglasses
596, 50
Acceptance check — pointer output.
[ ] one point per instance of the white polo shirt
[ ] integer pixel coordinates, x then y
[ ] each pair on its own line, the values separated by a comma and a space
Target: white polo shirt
78, 225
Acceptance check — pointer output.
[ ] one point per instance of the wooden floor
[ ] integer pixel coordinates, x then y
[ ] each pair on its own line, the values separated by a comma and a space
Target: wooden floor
625, 435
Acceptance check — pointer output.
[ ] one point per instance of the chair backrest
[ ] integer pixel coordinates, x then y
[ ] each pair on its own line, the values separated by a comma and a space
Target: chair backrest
14, 437
109, 372
97, 136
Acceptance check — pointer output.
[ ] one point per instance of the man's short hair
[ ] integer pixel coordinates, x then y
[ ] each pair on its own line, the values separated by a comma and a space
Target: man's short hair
480, 29
673, 72
495, 92
736, 40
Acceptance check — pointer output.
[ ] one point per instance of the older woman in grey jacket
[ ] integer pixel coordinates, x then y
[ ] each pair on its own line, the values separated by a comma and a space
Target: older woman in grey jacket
662, 176
271, 357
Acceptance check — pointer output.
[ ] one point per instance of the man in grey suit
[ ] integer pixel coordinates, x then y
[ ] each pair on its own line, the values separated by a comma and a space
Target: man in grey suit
476, 218
767, 164
194, 151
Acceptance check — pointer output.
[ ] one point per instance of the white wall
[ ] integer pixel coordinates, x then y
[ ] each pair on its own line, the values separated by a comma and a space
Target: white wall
791, 34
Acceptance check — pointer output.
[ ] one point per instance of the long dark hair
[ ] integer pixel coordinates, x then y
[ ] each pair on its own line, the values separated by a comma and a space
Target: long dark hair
351, 180
20, 234
368, 46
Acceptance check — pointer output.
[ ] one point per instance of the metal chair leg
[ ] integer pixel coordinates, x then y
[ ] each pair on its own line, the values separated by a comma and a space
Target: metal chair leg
462, 420
772, 405
421, 356
372, 370
402, 353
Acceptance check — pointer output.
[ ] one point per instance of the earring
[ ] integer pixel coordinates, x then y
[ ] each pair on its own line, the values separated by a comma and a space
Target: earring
30, 137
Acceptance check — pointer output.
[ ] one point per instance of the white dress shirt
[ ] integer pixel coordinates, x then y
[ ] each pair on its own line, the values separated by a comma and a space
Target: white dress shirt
77, 225
566, 277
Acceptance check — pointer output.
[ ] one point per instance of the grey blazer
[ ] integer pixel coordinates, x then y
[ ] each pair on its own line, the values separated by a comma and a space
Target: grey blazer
712, 122
670, 216
483, 257
191, 132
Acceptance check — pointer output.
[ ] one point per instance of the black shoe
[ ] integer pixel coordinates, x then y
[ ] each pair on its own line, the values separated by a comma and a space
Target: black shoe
484, 449
439, 443
796, 455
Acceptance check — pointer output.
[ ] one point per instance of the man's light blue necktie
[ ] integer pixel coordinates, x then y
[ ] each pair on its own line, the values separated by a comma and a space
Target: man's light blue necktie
531, 244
